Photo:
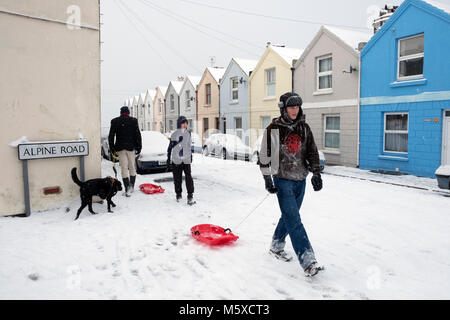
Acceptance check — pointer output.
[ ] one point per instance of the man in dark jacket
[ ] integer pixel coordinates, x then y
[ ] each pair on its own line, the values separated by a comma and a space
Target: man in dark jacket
125, 130
287, 152
179, 157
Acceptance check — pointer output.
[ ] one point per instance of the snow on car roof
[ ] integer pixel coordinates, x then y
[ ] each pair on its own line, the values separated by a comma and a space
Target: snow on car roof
350, 37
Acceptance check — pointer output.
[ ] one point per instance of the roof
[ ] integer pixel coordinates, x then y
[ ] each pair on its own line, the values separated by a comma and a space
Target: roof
435, 7
442, 6
177, 84
216, 72
163, 89
151, 93
195, 80
246, 65
288, 54
350, 37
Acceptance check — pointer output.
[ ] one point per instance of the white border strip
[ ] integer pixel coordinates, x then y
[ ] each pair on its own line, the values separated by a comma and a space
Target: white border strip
425, 96
82, 25
331, 103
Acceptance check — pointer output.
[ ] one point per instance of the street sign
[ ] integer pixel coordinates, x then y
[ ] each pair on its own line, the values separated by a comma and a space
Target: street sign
58, 149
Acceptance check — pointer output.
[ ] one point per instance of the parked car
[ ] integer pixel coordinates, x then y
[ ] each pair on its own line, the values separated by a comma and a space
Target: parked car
196, 143
257, 147
153, 156
106, 152
226, 146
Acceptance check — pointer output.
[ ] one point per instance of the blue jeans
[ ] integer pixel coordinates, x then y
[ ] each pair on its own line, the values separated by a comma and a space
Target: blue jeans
290, 197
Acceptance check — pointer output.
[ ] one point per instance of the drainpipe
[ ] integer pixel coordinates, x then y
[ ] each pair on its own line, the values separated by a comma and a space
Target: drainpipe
292, 82
359, 110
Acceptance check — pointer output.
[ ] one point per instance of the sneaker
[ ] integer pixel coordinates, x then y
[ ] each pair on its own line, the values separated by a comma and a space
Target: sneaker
191, 201
313, 269
281, 255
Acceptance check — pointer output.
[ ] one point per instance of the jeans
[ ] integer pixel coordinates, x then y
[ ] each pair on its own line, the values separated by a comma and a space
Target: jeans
290, 197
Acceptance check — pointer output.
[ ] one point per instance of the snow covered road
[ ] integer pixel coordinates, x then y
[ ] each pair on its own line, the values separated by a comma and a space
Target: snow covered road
377, 241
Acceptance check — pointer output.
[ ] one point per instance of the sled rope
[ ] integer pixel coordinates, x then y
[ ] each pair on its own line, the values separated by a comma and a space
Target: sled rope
253, 210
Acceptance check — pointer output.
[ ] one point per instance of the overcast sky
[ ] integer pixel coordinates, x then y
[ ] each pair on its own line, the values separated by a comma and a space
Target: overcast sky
179, 37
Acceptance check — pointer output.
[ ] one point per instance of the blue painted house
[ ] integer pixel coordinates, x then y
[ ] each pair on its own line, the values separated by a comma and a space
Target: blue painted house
405, 91
234, 102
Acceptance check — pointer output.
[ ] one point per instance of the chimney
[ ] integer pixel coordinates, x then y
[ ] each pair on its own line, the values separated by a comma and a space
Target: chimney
384, 15
268, 44
361, 45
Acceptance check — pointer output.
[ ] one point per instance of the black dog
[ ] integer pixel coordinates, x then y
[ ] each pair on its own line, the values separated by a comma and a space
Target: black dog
105, 188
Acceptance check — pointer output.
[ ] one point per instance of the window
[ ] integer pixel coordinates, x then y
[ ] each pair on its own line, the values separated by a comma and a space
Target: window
270, 82
396, 132
172, 102
208, 93
148, 126
170, 125
217, 123
332, 131
187, 95
161, 127
325, 73
265, 121
160, 103
410, 57
205, 124
238, 126
234, 89
149, 110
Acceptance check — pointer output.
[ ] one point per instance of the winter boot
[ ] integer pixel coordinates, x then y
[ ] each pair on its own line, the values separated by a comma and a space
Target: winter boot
132, 181
281, 255
126, 183
313, 269
179, 197
190, 200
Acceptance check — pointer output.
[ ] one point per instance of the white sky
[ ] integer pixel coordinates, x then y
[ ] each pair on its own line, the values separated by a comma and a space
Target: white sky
166, 47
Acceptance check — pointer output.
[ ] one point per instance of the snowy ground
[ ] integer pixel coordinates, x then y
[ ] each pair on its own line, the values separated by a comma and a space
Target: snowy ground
377, 241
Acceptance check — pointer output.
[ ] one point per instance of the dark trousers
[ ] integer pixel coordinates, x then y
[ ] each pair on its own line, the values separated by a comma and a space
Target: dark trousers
178, 178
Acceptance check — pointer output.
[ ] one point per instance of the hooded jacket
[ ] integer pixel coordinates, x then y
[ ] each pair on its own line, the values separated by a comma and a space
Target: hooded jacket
179, 150
287, 149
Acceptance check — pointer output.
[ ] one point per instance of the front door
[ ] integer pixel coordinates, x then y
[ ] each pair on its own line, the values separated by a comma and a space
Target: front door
446, 139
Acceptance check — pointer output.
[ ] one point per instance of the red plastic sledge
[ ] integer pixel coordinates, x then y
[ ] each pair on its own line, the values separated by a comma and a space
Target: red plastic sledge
149, 188
213, 235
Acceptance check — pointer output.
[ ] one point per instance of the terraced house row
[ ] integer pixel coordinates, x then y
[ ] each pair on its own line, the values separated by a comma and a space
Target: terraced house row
376, 100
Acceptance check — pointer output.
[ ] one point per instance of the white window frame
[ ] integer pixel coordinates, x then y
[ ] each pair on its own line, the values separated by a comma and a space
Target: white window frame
232, 90
325, 130
394, 131
239, 131
274, 83
412, 56
325, 73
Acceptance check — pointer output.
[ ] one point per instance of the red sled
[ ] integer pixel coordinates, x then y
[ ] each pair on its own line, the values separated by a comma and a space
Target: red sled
213, 235
149, 188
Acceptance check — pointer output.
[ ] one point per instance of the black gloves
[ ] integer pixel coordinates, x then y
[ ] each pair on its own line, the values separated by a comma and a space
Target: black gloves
137, 151
316, 181
269, 184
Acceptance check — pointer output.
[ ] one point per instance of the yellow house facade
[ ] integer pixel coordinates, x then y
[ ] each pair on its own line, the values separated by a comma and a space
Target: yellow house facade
271, 78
